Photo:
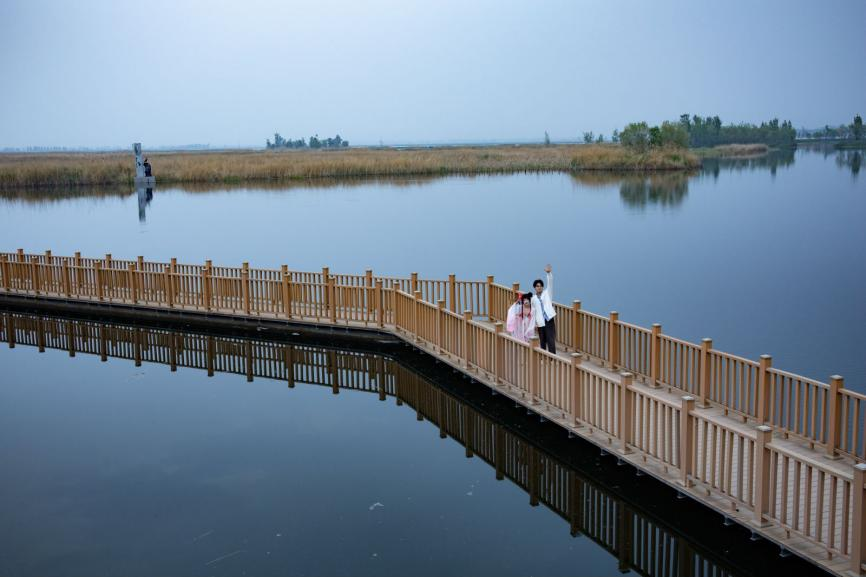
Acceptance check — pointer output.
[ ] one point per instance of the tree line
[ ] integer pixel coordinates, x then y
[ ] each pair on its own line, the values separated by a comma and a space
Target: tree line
315, 142
709, 131
696, 132
853, 131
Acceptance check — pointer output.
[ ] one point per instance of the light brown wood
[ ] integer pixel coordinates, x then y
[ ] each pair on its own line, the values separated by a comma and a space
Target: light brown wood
714, 453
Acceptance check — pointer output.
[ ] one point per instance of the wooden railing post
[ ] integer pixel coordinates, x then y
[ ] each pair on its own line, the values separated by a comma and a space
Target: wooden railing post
368, 282
77, 262
467, 348
704, 372
762, 475
139, 262
626, 412
497, 352
67, 280
613, 341
834, 412
206, 287
34, 274
98, 267
687, 436
326, 274
416, 315
332, 300
7, 284
133, 292
763, 412
534, 370
452, 293
490, 316
245, 286
858, 533
655, 355
20, 253
576, 388
285, 281
175, 283
108, 264
413, 283
169, 287
577, 335
440, 324
49, 272
380, 303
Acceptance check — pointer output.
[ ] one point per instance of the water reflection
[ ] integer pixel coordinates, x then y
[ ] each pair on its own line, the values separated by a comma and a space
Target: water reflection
639, 523
636, 190
771, 161
145, 195
663, 189
851, 160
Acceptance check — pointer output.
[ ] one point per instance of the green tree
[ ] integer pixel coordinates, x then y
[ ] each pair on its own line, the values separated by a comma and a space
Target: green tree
600, 139
673, 135
857, 127
588, 137
636, 136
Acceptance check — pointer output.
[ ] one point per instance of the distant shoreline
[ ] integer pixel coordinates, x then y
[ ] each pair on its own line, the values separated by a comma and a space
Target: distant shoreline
37, 170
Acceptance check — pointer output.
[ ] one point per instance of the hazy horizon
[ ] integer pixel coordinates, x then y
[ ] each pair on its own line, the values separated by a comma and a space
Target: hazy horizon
100, 74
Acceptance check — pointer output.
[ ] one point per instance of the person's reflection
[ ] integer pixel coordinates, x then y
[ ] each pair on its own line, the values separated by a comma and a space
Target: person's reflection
145, 195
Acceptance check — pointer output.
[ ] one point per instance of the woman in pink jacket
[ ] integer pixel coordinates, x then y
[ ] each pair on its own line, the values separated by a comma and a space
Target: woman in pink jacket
521, 320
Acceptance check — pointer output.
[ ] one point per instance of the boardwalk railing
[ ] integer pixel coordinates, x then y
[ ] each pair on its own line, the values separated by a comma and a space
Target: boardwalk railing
702, 415
637, 540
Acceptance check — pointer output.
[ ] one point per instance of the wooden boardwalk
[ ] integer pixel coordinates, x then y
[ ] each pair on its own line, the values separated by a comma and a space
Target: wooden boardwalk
639, 541
777, 452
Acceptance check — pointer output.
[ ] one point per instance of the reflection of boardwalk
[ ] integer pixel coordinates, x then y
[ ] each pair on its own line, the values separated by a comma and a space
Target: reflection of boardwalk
639, 542
740, 436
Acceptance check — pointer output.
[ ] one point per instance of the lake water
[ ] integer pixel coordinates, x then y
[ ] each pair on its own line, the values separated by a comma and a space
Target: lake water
764, 256
117, 469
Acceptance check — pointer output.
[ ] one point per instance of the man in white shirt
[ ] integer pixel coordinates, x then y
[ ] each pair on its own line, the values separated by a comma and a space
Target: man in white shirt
542, 304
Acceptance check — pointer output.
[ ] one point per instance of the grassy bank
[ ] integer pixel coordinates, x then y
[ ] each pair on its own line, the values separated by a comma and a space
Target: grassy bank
88, 169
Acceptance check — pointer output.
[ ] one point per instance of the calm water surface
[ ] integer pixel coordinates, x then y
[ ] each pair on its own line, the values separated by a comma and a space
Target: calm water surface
115, 469
763, 256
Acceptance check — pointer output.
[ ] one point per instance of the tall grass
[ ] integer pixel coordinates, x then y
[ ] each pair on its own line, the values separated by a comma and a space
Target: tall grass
52, 170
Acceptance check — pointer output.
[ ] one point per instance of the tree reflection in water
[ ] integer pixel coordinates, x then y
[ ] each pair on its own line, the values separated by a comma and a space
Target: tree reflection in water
664, 189
851, 160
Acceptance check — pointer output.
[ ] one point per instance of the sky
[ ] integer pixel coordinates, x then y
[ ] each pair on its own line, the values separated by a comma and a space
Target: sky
106, 73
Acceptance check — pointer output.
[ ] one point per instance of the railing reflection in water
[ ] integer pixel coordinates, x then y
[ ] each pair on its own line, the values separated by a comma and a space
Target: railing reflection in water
639, 542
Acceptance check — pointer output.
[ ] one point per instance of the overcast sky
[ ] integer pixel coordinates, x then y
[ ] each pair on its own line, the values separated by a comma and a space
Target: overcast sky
96, 73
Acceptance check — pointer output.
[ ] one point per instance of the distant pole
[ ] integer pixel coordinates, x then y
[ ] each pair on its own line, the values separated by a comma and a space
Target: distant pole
139, 164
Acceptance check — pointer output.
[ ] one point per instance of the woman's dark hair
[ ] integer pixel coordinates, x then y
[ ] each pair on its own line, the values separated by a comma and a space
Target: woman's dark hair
526, 297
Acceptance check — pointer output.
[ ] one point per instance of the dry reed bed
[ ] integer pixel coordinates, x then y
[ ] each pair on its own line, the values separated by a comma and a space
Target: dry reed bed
45, 170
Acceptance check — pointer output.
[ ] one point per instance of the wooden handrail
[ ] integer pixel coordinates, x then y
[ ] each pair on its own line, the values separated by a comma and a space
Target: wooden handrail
630, 414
